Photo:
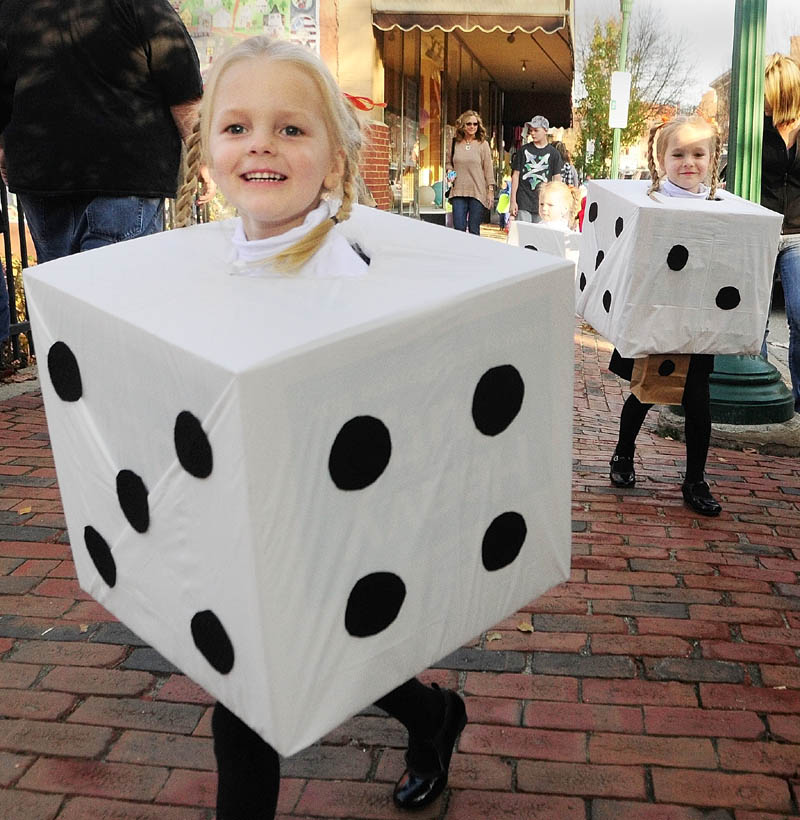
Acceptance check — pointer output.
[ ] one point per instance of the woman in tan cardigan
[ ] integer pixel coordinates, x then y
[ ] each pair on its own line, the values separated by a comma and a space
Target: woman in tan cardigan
471, 159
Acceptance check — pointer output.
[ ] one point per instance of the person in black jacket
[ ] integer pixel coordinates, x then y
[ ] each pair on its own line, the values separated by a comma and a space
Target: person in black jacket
95, 97
780, 191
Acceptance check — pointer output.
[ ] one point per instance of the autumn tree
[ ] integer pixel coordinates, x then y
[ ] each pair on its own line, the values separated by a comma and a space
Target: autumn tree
659, 72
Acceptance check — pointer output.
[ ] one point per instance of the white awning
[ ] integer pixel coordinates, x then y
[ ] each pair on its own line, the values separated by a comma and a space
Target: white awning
487, 15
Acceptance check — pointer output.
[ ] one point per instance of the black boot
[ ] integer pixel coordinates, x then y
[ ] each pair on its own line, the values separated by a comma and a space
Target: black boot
622, 473
428, 761
699, 498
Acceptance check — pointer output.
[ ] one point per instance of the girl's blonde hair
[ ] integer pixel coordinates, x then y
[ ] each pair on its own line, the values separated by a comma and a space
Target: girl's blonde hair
343, 126
570, 196
461, 134
782, 89
665, 132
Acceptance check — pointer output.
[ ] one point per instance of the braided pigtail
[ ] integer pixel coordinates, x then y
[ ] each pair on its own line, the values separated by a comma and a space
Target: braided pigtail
294, 257
192, 160
715, 164
577, 199
651, 161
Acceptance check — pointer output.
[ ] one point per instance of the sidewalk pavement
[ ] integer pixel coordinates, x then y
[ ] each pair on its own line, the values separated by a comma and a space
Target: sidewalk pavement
661, 682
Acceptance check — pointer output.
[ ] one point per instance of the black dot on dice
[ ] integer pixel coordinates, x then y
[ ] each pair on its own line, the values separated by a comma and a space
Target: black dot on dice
64, 372
101, 556
532, 247
607, 301
582, 282
618, 226
212, 640
192, 445
497, 399
677, 257
593, 212
360, 453
132, 496
598, 259
666, 367
728, 298
503, 540
373, 604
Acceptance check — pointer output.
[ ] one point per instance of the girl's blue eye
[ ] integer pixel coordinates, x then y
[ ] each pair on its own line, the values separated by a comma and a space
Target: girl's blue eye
292, 131
235, 129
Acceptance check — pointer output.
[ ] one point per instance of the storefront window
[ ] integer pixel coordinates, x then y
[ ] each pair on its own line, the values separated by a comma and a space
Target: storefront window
411, 134
430, 79
431, 168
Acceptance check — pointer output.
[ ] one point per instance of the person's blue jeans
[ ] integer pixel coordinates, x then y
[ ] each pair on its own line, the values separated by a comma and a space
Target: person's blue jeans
788, 266
467, 210
5, 311
63, 225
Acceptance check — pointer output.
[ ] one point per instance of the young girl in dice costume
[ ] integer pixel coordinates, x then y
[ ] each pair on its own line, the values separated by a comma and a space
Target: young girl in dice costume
686, 151
282, 143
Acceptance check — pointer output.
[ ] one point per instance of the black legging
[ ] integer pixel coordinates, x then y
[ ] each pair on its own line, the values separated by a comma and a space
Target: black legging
249, 768
697, 426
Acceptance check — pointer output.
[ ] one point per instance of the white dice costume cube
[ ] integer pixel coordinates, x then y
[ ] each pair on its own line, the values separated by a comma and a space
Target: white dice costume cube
303, 492
536, 236
675, 275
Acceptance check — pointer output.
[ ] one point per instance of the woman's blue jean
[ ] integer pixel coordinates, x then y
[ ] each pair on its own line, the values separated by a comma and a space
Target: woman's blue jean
467, 209
787, 266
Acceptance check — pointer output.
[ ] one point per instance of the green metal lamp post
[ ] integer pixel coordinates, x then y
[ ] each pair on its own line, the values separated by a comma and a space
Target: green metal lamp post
747, 389
622, 59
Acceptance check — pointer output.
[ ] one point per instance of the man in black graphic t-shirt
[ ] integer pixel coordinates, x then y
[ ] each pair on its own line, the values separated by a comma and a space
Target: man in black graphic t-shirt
535, 162
95, 96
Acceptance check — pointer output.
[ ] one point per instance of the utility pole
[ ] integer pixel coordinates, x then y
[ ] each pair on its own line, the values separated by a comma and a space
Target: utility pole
746, 389
622, 61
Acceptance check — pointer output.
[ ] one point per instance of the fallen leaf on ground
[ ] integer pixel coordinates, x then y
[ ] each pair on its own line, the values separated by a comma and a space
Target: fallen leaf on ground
24, 510
493, 636
525, 626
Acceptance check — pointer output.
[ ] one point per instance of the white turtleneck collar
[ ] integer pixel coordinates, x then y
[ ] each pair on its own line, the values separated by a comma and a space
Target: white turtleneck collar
671, 189
334, 258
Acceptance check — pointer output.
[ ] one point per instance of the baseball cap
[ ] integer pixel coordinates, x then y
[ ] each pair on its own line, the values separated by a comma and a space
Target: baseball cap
539, 122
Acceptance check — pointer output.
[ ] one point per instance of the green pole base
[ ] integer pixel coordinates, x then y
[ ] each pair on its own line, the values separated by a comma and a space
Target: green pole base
748, 390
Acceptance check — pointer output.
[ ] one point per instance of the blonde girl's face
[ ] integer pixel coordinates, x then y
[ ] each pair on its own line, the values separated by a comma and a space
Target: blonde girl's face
269, 148
687, 158
552, 207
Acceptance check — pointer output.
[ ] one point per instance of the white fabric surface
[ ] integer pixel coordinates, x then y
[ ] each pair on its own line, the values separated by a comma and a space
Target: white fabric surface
273, 368
715, 298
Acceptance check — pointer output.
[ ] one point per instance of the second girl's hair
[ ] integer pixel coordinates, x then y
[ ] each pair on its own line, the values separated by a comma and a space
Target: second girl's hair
571, 197
461, 134
562, 150
341, 121
667, 131
782, 88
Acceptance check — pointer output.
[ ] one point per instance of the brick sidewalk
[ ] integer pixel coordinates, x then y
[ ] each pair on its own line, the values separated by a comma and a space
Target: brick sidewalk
660, 683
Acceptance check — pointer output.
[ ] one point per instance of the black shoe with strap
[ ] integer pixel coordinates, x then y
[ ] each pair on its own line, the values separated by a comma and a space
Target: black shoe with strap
428, 761
698, 496
622, 473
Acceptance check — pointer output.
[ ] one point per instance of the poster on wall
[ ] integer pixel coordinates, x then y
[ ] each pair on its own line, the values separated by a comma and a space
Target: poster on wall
216, 24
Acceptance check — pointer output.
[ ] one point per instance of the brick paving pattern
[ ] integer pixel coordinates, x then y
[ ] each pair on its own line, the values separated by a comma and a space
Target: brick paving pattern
660, 683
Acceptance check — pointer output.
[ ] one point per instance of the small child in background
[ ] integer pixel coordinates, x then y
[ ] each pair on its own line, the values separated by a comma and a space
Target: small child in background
283, 145
686, 150
558, 206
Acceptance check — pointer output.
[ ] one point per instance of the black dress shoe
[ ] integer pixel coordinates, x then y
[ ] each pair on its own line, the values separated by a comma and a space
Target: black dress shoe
699, 498
428, 761
622, 473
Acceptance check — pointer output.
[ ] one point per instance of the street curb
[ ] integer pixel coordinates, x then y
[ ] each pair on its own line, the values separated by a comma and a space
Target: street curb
770, 439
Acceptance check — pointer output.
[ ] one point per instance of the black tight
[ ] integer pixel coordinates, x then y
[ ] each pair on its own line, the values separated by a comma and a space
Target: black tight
697, 427
249, 768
